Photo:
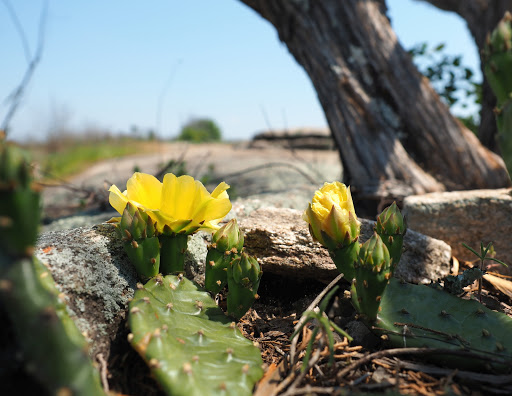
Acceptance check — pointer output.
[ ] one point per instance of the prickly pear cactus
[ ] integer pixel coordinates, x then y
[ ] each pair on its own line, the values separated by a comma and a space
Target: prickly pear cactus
372, 274
53, 348
421, 316
391, 227
19, 205
137, 230
172, 251
497, 65
227, 244
191, 347
244, 275
46, 332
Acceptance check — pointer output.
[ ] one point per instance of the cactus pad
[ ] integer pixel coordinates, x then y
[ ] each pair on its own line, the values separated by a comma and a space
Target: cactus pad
191, 347
437, 319
53, 347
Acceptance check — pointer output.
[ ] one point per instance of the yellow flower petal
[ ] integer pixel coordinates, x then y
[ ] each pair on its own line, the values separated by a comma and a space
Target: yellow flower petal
212, 212
220, 191
117, 199
145, 190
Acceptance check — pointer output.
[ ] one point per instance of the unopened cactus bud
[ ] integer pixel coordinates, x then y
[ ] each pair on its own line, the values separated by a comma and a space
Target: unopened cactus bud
227, 244
391, 227
331, 216
372, 274
228, 237
244, 275
20, 207
137, 230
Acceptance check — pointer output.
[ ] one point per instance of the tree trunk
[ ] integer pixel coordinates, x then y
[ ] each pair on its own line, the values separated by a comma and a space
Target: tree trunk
394, 135
481, 16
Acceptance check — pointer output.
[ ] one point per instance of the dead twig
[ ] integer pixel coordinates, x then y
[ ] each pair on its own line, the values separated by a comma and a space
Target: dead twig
408, 351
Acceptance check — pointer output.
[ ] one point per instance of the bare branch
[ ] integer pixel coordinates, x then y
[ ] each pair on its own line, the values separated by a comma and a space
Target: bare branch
15, 97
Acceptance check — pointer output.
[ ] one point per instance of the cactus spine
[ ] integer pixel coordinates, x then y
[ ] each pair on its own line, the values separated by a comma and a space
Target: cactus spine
53, 347
497, 66
191, 347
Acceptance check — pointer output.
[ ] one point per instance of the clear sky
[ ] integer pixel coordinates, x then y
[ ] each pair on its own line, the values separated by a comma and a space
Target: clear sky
111, 65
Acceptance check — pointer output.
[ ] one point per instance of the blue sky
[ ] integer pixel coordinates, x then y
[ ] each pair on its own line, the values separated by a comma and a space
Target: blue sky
111, 65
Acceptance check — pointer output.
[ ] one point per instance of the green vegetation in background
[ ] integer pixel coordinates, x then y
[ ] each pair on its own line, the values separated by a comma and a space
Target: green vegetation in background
75, 156
454, 82
200, 130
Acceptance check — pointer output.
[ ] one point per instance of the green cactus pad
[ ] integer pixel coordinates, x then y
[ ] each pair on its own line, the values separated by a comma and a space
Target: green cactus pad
20, 205
191, 347
437, 319
53, 347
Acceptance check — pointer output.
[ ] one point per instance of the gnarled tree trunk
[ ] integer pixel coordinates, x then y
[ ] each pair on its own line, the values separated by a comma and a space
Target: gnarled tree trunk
394, 135
481, 16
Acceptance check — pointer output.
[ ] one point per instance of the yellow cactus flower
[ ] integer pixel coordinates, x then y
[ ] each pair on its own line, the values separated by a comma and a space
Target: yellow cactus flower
331, 216
178, 205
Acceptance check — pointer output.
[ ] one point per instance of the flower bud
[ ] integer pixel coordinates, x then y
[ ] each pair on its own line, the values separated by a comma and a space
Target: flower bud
229, 237
391, 227
331, 216
391, 221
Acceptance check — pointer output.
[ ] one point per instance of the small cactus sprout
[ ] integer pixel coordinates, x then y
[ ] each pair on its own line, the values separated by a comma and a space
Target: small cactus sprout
372, 274
244, 275
497, 57
333, 222
137, 230
391, 227
20, 204
227, 244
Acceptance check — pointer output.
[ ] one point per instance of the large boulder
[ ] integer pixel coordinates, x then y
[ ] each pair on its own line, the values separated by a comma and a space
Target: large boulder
281, 241
471, 217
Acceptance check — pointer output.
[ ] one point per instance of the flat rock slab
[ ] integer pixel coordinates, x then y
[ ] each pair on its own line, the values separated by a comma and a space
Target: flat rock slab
465, 216
281, 241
